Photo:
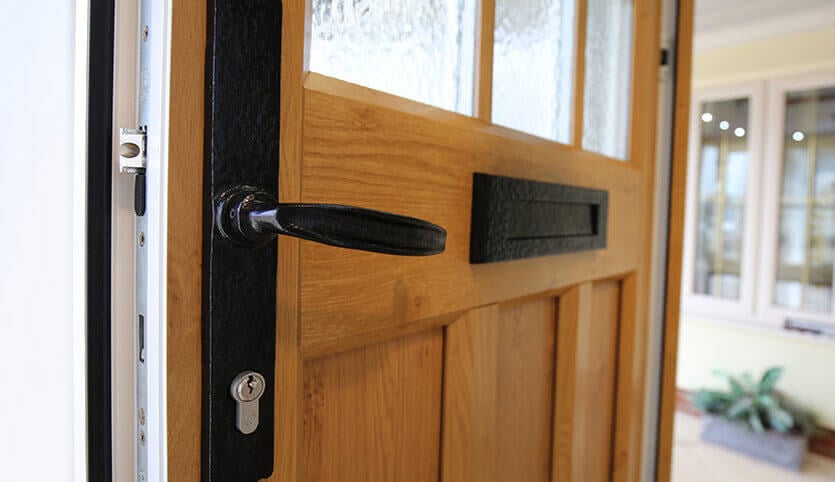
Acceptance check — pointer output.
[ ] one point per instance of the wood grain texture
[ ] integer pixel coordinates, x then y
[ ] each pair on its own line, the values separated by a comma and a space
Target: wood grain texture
498, 394
483, 108
684, 53
470, 397
373, 150
295, 37
185, 233
579, 72
595, 385
375, 413
574, 311
631, 376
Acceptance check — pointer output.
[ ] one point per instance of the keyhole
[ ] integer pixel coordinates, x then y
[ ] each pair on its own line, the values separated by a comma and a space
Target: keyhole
250, 382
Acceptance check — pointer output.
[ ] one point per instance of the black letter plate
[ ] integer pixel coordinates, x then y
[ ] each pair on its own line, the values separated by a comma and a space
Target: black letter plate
514, 219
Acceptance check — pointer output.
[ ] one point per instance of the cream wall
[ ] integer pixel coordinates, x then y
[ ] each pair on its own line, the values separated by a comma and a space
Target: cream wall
705, 345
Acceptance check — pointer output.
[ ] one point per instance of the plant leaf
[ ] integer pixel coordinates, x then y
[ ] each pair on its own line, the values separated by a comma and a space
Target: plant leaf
768, 401
740, 407
769, 380
755, 422
711, 400
748, 383
780, 420
736, 387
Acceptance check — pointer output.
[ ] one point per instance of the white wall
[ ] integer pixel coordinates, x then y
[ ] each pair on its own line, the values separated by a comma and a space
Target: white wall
39, 342
703, 345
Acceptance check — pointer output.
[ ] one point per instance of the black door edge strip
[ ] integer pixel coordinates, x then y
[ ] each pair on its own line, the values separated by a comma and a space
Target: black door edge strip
101, 25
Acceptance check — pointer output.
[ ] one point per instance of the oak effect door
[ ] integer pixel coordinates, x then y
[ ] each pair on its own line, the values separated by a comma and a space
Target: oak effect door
444, 367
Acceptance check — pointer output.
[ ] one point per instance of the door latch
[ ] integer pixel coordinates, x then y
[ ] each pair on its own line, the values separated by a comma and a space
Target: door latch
132, 143
132, 160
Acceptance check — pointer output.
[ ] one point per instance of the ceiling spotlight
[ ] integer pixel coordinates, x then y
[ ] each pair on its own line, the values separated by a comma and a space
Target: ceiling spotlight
739, 132
724, 125
707, 117
798, 136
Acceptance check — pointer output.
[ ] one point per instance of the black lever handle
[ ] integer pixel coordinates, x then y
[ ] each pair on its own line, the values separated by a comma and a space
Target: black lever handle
249, 216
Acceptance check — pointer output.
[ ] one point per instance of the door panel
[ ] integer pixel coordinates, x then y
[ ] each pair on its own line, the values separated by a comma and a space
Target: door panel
498, 393
597, 345
374, 413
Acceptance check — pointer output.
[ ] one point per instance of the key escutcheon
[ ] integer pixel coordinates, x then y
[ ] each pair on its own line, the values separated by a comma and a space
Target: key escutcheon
246, 389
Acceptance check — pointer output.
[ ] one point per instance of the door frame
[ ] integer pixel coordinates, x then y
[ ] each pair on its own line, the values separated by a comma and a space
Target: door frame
675, 239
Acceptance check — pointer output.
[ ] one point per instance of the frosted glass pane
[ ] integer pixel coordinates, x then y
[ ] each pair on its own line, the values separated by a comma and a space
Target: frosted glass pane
419, 49
533, 66
608, 77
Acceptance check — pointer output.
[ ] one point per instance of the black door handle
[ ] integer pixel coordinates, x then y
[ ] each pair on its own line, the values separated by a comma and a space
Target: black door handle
249, 216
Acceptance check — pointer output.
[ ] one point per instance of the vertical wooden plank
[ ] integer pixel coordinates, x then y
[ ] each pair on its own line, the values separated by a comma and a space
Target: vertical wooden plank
684, 53
498, 389
596, 376
295, 38
525, 393
631, 349
574, 311
185, 231
469, 434
484, 59
375, 413
579, 73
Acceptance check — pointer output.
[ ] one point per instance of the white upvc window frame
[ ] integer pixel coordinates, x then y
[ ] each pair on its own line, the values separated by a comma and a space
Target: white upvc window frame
707, 306
767, 312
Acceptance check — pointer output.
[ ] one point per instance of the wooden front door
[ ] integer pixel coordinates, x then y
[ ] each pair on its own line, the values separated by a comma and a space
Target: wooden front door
424, 369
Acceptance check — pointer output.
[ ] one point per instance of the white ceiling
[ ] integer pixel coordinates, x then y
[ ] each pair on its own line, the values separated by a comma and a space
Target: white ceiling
724, 22
720, 14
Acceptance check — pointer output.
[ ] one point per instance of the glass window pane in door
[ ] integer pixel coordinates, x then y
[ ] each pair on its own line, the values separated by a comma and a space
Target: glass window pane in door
723, 171
418, 49
533, 67
806, 239
608, 77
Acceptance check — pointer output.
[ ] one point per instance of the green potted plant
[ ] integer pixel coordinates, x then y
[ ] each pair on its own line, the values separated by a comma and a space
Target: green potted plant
753, 418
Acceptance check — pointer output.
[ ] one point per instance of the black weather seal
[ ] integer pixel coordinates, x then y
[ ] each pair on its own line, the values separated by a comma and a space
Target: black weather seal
98, 265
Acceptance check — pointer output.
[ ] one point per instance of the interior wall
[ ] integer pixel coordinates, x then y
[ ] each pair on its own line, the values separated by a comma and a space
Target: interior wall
704, 345
708, 345
39, 355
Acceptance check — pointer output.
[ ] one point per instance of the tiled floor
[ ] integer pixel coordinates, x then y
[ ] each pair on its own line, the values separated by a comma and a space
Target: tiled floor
696, 461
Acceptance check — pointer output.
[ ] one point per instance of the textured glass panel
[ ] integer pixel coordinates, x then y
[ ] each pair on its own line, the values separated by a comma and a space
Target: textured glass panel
608, 77
806, 243
533, 66
419, 49
723, 177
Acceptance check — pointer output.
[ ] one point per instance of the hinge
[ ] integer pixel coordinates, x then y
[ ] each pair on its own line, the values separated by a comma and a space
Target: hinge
132, 144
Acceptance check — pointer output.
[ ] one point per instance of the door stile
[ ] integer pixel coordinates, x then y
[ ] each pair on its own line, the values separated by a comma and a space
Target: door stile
295, 39
184, 252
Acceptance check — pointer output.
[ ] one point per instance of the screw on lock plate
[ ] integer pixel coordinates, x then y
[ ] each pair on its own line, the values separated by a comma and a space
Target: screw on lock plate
246, 389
